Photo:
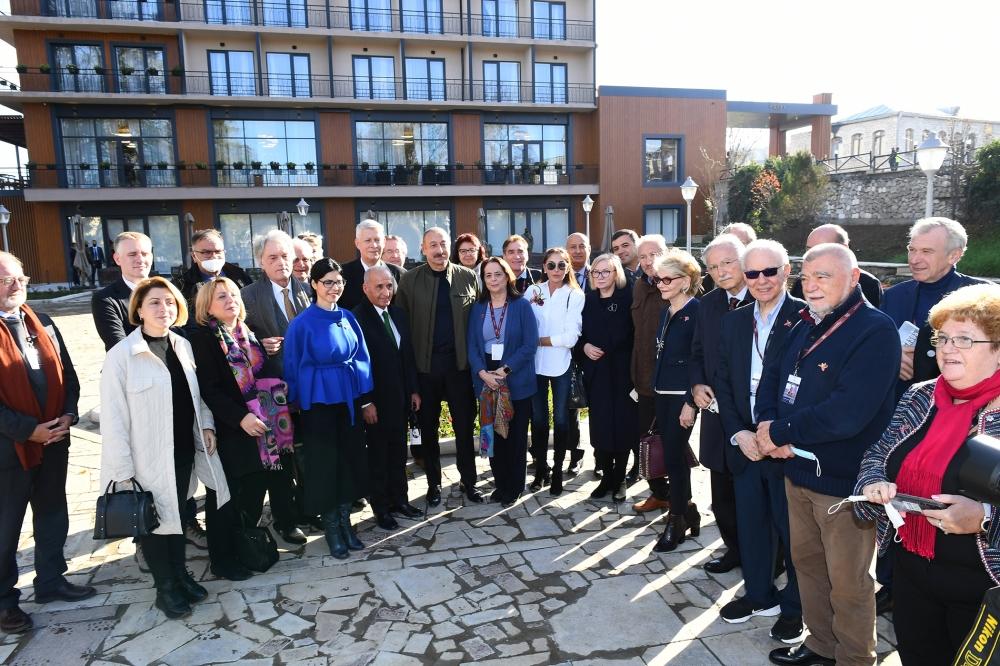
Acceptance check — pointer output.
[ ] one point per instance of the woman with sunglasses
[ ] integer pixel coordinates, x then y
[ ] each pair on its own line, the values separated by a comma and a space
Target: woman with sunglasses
327, 370
678, 277
558, 307
605, 349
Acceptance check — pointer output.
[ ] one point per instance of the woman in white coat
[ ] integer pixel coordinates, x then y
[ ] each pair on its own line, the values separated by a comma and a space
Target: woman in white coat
157, 430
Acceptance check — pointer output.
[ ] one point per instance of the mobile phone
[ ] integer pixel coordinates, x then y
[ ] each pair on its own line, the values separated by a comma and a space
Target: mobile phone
913, 504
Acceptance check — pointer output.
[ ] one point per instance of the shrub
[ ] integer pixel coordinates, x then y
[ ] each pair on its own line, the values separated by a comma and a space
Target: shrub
983, 202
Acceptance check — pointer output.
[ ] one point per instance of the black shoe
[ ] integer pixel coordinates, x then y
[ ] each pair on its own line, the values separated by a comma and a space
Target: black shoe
619, 494
601, 491
473, 494
740, 610
65, 591
189, 587
788, 629
347, 530
574, 467
433, 495
15, 621
496, 497
312, 522
883, 601
293, 535
633, 475
541, 479
195, 534
406, 510
359, 504
171, 600
673, 535
334, 537
721, 565
386, 521
232, 571
597, 474
556, 488
799, 656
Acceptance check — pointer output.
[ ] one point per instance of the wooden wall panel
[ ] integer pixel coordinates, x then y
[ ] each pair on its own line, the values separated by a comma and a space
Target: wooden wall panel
37, 237
339, 226
466, 216
586, 143
191, 132
203, 211
466, 138
335, 135
39, 133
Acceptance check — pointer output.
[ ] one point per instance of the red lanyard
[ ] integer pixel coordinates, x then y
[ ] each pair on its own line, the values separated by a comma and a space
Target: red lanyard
498, 328
837, 324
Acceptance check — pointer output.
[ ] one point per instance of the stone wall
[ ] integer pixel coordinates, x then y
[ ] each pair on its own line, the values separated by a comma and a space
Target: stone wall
883, 197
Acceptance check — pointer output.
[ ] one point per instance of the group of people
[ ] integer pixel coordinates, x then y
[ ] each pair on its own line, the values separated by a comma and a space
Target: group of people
303, 385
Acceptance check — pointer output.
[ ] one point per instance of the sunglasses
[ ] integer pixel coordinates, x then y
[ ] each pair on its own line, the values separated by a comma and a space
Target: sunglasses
553, 265
666, 280
767, 272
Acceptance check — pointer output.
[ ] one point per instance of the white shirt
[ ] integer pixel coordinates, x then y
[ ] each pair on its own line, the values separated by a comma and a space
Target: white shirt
280, 299
395, 331
764, 327
560, 318
131, 285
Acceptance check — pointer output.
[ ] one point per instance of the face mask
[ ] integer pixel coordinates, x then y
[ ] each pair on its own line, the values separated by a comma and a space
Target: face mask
212, 265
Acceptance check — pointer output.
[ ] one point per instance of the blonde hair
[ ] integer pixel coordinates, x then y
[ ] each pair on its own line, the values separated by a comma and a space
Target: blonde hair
142, 290
683, 263
206, 294
977, 303
616, 268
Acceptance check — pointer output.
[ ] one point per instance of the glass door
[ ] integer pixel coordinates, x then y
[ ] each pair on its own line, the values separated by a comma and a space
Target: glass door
524, 155
232, 73
138, 62
288, 75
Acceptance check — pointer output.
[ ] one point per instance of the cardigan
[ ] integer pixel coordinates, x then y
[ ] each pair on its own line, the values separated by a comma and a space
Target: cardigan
520, 339
560, 318
912, 413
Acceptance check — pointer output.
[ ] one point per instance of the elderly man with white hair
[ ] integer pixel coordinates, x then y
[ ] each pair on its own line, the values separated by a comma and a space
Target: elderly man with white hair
369, 238
395, 250
825, 398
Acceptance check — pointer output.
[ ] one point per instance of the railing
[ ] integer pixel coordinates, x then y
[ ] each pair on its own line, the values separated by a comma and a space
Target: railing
116, 176
299, 13
898, 161
97, 80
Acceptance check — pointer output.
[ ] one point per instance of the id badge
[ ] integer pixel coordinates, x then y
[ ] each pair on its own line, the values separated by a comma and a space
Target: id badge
754, 383
791, 389
496, 352
31, 356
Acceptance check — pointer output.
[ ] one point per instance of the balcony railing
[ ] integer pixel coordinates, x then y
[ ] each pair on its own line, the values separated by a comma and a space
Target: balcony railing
300, 14
117, 176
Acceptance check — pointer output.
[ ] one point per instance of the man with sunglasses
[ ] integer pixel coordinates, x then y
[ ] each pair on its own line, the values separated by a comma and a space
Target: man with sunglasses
750, 338
722, 257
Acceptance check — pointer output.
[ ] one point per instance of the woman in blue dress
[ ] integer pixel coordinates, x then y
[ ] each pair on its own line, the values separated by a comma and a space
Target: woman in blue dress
327, 370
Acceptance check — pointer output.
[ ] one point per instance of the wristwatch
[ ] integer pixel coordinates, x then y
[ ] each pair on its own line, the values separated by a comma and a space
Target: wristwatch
987, 517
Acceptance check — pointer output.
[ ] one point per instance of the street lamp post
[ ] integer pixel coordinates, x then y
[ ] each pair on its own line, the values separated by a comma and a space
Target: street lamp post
688, 189
588, 205
4, 221
930, 156
303, 207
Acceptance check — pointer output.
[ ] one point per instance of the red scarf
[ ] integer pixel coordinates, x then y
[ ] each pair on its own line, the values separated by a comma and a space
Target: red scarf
922, 471
16, 392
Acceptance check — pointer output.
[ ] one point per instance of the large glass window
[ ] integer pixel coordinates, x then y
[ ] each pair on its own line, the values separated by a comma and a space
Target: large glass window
544, 227
501, 81
288, 75
425, 78
401, 143
500, 18
234, 12
410, 225
136, 10
660, 160
232, 73
517, 144
877, 138
285, 12
422, 16
549, 20
663, 221
373, 15
71, 8
374, 77
275, 144
75, 65
118, 152
136, 66
550, 83
240, 231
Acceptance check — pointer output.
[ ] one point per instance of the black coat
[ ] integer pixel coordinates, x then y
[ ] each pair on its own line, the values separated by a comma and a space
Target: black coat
607, 323
191, 279
394, 371
109, 307
353, 273
534, 277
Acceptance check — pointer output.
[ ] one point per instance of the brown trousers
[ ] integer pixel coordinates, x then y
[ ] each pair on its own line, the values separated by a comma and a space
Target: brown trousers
832, 557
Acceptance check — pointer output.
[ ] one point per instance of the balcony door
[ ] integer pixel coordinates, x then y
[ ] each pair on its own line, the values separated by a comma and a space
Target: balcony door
134, 10
549, 20
500, 18
75, 65
425, 78
501, 81
232, 73
291, 13
138, 62
233, 12
374, 77
288, 75
71, 8
422, 16
371, 15
550, 83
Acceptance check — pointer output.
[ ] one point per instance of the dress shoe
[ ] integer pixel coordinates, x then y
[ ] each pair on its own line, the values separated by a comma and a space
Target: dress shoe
334, 537
601, 491
574, 467
556, 487
406, 510
434, 496
65, 591
195, 534
231, 571
721, 565
386, 521
171, 600
673, 535
496, 497
633, 475
619, 493
15, 621
799, 655
350, 536
473, 494
883, 601
597, 474
650, 504
293, 535
189, 587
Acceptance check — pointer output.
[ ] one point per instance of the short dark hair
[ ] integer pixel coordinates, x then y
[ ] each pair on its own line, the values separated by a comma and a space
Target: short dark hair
514, 239
625, 232
321, 268
468, 238
512, 291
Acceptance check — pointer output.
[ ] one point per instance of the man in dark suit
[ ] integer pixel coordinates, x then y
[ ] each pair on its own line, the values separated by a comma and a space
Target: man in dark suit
271, 302
722, 256
208, 261
109, 306
369, 238
578, 249
751, 336
386, 409
625, 245
834, 233
95, 257
515, 252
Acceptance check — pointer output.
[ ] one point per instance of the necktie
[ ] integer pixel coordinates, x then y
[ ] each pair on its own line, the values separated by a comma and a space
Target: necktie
733, 302
388, 328
289, 308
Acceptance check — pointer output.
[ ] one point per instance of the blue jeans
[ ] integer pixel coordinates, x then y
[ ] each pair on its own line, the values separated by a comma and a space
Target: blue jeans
560, 418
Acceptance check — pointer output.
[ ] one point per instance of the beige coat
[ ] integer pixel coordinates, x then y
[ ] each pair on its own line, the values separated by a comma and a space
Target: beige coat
137, 426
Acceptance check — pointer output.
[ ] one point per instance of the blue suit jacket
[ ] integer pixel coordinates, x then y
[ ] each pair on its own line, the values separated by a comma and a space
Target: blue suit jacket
520, 340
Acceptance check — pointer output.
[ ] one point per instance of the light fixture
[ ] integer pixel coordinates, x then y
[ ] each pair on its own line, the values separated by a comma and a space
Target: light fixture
588, 205
123, 129
303, 207
930, 156
4, 221
688, 189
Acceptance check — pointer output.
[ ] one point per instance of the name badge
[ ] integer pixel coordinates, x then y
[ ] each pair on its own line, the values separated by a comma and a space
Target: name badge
754, 383
31, 356
496, 353
791, 389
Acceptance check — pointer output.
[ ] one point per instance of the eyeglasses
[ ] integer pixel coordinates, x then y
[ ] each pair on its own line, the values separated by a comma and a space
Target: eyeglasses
329, 284
553, 265
205, 254
469, 250
960, 341
23, 281
665, 280
602, 274
767, 272
722, 264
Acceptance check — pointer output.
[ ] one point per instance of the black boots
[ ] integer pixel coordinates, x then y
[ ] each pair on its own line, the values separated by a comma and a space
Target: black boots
347, 531
171, 599
334, 536
542, 477
189, 587
677, 527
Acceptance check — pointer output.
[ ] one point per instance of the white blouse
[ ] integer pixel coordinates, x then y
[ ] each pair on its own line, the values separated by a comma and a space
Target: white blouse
560, 318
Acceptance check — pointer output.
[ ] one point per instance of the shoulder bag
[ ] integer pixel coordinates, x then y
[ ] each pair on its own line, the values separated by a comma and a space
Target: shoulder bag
125, 513
651, 460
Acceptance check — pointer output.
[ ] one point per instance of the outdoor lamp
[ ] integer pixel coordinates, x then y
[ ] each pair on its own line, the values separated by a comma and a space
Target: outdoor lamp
303, 207
588, 205
930, 156
4, 221
688, 189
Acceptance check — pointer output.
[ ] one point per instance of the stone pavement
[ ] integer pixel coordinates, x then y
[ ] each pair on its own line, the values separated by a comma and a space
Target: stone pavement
551, 580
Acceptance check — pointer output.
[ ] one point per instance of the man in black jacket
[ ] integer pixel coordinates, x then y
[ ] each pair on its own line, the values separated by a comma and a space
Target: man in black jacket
369, 238
109, 306
386, 409
208, 255
95, 257
515, 253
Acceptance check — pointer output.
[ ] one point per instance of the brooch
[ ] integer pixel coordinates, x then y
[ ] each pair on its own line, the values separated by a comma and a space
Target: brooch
823, 367
536, 298
788, 323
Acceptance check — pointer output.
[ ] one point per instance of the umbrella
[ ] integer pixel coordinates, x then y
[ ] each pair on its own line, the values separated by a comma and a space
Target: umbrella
80, 261
481, 229
609, 229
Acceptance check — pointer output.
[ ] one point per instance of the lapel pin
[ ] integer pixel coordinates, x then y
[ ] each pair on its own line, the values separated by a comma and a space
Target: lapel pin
823, 367
788, 323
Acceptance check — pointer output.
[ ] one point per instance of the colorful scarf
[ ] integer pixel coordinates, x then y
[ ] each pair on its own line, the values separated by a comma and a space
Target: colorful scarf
495, 413
267, 399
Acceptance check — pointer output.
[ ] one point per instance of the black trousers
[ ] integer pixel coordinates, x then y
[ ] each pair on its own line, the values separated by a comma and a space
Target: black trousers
278, 484
455, 388
612, 465
165, 552
221, 525
675, 441
934, 606
660, 488
510, 454
573, 435
44, 488
724, 508
386, 468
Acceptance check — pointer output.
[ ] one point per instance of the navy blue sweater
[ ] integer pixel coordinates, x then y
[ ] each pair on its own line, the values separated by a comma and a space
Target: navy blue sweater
845, 398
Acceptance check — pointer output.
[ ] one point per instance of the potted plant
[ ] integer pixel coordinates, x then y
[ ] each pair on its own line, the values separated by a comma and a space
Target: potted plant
31, 166
126, 70
559, 168
161, 165
256, 165
579, 167
430, 173
44, 68
382, 175
201, 166
342, 167
21, 69
152, 71
180, 165
84, 166
105, 164
310, 166
72, 69
290, 165
481, 165
220, 165
275, 166
98, 69
177, 70
238, 166
364, 166
326, 167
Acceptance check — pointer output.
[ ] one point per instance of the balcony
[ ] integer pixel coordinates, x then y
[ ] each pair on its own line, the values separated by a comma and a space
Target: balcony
301, 14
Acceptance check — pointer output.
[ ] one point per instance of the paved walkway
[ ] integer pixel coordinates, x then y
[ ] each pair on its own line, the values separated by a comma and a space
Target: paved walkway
551, 580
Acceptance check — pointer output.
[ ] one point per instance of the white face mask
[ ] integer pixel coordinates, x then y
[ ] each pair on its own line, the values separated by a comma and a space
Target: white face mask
212, 265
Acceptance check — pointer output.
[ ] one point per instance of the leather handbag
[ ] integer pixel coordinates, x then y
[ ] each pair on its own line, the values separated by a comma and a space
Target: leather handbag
125, 513
256, 548
577, 393
651, 459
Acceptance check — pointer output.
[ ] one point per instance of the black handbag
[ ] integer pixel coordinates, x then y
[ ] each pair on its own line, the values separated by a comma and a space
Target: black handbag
577, 393
256, 549
125, 513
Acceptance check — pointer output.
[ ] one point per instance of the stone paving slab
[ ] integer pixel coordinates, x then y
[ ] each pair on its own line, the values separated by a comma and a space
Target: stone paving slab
565, 580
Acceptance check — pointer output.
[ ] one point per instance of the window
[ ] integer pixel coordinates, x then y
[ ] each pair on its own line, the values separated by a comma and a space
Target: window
241, 230
290, 13
663, 221
425, 78
242, 143
908, 144
163, 230
422, 16
661, 160
288, 75
943, 136
401, 143
118, 152
877, 137
549, 20
136, 10
924, 134
501, 81
544, 227
374, 77
232, 73
71, 8
519, 144
855, 144
500, 18
410, 225
970, 142
139, 61
372, 15
232, 12
550, 83
75, 65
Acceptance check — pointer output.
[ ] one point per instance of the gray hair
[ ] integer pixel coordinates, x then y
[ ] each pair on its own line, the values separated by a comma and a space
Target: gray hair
314, 240
838, 232
272, 236
616, 267
399, 241
957, 239
581, 235
436, 230
206, 233
725, 240
844, 255
765, 245
9, 256
364, 225
652, 238
737, 228
381, 268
